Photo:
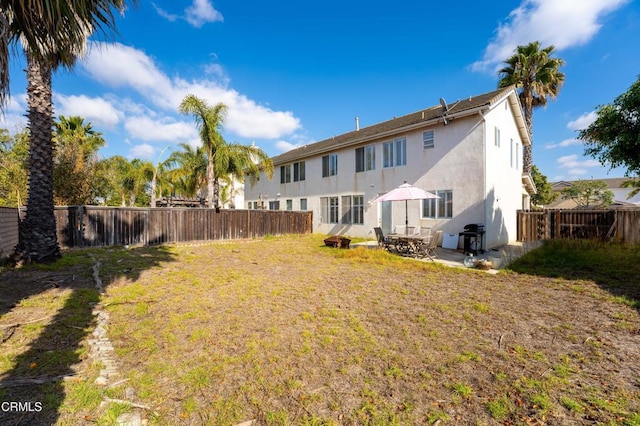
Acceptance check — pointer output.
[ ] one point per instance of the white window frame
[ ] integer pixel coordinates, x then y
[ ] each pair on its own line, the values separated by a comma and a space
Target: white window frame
331, 168
438, 208
394, 153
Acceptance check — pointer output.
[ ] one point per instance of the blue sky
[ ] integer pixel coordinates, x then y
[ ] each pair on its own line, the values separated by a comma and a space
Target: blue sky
293, 73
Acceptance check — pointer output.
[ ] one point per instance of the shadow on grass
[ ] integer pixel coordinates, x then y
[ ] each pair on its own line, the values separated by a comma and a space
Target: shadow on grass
614, 267
32, 387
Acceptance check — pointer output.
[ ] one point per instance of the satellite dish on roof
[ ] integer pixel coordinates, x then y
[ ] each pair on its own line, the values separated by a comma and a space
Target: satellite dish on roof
445, 107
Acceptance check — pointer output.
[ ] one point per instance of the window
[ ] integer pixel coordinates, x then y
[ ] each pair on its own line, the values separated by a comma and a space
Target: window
394, 153
303, 204
285, 173
365, 158
330, 165
438, 208
329, 209
352, 210
428, 139
497, 137
511, 153
298, 171
274, 205
289, 205
346, 210
358, 209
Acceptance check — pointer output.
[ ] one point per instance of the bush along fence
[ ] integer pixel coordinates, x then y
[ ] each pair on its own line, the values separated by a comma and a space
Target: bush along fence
94, 226
619, 224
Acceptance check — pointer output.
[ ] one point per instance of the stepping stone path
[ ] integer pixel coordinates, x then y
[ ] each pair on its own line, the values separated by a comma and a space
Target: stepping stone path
102, 351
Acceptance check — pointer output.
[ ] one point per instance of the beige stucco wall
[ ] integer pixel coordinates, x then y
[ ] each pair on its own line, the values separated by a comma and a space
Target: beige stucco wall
8, 231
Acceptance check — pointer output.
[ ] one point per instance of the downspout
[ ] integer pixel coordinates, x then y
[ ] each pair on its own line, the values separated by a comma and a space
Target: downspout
484, 175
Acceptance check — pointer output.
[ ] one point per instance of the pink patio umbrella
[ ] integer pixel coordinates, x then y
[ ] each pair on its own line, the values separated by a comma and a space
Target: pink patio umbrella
406, 192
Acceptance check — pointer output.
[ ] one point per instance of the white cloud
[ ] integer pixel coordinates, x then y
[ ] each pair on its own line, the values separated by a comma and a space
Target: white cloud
560, 23
143, 151
583, 121
95, 110
117, 65
200, 12
166, 15
576, 167
564, 143
197, 14
167, 130
121, 66
284, 146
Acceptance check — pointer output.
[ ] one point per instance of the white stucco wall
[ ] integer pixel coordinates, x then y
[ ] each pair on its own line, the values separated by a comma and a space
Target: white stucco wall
503, 176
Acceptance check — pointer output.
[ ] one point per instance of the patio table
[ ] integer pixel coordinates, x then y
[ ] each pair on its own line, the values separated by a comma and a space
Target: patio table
409, 245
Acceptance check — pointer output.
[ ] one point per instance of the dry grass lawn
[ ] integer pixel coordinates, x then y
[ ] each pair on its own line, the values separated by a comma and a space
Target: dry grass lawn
286, 331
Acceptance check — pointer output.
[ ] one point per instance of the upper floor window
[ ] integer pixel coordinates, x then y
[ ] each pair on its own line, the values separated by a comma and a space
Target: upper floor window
330, 165
428, 139
285, 173
497, 137
394, 153
365, 158
298, 171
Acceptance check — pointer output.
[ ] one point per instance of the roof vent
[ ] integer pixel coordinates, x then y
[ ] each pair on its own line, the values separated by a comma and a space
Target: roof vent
357, 124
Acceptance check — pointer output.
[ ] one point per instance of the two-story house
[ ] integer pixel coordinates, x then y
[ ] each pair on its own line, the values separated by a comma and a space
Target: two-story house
468, 152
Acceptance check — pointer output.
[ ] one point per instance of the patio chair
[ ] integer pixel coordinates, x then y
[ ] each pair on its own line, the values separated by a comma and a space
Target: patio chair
430, 251
383, 242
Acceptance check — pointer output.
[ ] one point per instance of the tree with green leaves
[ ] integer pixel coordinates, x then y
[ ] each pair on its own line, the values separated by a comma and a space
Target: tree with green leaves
14, 157
223, 159
589, 194
536, 76
53, 34
544, 194
187, 170
75, 161
614, 137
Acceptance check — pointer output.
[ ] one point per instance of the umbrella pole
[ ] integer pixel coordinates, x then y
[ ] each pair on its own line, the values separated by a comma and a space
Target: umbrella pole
406, 217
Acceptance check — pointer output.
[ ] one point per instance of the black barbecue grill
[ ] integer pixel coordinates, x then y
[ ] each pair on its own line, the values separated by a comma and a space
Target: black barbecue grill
473, 235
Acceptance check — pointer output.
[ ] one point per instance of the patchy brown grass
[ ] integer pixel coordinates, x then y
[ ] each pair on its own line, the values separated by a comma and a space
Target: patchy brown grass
287, 331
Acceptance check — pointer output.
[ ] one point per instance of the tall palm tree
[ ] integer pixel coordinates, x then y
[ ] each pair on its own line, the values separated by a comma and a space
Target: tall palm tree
209, 120
53, 34
537, 76
223, 159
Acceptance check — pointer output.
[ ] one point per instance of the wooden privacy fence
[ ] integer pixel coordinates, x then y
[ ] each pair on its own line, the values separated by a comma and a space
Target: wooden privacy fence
620, 224
92, 226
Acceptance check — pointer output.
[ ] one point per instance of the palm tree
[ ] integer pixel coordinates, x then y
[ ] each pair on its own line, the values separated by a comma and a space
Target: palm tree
187, 170
537, 76
223, 159
209, 122
53, 33
75, 161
